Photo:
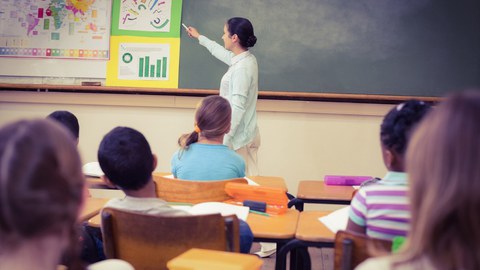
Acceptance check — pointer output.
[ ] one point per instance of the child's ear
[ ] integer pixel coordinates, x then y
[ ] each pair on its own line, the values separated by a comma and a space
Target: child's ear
154, 162
108, 182
389, 159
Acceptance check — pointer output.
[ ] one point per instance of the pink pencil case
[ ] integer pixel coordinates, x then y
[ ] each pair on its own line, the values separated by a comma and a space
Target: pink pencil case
345, 180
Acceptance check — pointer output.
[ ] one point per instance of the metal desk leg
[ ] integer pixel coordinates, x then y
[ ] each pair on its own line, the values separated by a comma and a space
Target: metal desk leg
292, 246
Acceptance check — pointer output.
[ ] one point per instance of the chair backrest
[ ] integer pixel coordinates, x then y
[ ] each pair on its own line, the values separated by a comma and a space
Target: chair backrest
353, 248
187, 191
149, 242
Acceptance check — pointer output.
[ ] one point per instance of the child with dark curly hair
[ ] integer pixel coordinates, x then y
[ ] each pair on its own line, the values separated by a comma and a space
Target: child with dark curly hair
381, 210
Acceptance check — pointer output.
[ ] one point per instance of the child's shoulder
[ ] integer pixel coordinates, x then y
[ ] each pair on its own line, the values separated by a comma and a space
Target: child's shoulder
370, 182
381, 188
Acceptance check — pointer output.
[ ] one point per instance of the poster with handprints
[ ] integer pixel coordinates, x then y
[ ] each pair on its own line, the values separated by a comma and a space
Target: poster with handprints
147, 18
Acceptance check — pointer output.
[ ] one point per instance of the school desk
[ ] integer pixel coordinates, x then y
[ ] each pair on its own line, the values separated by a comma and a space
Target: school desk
311, 232
92, 207
96, 183
279, 229
270, 228
197, 259
318, 192
270, 181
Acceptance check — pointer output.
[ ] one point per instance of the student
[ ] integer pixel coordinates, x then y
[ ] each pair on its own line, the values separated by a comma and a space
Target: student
203, 156
68, 120
239, 86
380, 210
42, 189
127, 161
444, 175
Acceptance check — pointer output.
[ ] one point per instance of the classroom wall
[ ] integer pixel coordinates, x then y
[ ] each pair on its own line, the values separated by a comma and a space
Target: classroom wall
301, 140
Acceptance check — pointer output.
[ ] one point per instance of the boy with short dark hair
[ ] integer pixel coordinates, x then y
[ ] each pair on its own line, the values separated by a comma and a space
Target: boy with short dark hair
127, 161
68, 120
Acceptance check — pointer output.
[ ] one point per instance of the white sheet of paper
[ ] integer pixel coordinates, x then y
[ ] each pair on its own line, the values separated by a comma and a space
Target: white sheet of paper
251, 182
225, 209
337, 220
92, 169
185, 208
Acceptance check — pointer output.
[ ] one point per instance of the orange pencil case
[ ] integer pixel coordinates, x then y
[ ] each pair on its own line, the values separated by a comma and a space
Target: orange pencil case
275, 198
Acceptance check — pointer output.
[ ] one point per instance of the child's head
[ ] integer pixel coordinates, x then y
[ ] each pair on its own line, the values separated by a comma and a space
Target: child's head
41, 184
68, 120
212, 120
443, 163
126, 159
395, 131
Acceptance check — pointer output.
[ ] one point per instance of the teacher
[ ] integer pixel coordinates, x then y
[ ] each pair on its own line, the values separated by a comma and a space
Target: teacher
239, 86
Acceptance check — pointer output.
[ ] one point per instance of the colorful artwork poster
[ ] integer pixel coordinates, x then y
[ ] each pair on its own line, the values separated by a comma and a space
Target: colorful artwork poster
143, 62
150, 18
55, 28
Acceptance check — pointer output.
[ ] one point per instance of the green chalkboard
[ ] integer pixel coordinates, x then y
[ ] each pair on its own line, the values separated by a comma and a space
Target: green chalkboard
386, 47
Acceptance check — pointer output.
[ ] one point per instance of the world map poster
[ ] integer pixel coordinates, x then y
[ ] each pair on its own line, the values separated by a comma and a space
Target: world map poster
75, 29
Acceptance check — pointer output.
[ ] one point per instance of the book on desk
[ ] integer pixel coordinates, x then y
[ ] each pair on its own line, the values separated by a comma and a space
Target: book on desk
225, 209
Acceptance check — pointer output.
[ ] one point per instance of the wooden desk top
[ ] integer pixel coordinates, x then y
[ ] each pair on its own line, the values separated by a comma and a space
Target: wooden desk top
311, 229
275, 226
281, 226
96, 182
319, 191
270, 181
92, 207
196, 259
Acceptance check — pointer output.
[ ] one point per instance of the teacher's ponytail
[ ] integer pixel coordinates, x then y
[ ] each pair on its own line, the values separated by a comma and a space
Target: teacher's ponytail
251, 41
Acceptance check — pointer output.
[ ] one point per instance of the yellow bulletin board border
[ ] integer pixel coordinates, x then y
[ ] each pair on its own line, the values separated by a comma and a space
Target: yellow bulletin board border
112, 64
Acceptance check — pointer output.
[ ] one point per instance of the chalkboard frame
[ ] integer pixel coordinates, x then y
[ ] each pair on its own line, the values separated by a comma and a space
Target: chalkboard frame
273, 95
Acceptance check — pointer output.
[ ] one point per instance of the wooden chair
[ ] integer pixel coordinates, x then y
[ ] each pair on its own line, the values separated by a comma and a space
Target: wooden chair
149, 242
352, 248
187, 191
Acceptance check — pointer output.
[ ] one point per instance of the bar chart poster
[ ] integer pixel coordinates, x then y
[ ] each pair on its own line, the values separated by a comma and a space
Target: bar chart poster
144, 62
153, 18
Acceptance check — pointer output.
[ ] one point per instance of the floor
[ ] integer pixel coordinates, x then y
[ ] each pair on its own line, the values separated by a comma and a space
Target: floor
322, 258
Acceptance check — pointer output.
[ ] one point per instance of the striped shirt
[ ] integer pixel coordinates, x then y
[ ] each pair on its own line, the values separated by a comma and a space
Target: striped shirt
383, 208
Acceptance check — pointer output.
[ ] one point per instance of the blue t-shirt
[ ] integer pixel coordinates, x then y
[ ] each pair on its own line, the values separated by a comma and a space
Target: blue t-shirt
207, 162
